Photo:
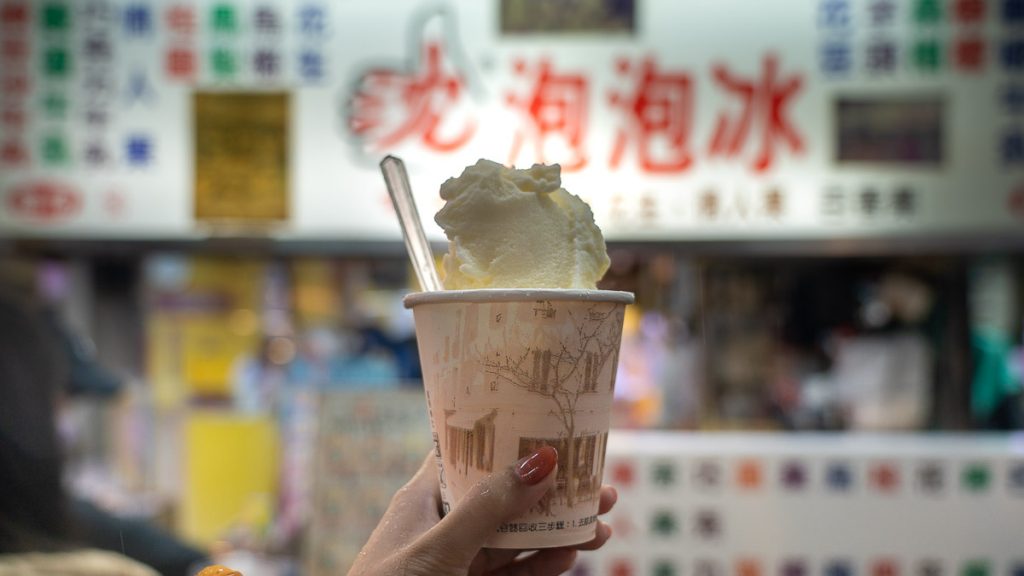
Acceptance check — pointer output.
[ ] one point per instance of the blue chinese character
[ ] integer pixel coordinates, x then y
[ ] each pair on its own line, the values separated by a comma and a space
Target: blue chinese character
1012, 55
834, 14
312, 20
1013, 98
835, 58
139, 88
1013, 11
139, 149
881, 56
838, 477
137, 20
311, 65
838, 568
1013, 147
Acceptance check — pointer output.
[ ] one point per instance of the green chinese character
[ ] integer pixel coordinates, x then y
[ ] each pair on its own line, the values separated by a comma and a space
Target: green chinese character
927, 11
223, 61
224, 18
55, 16
976, 479
56, 62
927, 55
664, 474
55, 150
55, 105
664, 523
664, 568
975, 568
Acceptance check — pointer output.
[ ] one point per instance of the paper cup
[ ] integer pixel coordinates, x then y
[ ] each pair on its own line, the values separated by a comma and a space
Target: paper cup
509, 371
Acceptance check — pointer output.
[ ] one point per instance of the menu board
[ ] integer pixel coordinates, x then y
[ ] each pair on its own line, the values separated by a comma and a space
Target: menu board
812, 505
676, 120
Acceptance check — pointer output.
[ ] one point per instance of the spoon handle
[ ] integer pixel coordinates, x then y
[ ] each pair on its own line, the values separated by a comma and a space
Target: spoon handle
397, 180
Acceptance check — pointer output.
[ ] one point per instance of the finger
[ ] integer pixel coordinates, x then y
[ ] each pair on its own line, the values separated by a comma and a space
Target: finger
414, 508
604, 532
548, 562
491, 502
609, 496
412, 511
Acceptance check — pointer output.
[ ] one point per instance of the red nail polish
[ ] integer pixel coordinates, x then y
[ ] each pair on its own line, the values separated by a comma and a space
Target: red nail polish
536, 467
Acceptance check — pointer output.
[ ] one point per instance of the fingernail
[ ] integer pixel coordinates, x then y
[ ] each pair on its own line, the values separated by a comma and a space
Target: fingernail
535, 467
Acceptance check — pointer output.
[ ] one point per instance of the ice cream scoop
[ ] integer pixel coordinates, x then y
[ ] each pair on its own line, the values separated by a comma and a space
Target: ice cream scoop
510, 228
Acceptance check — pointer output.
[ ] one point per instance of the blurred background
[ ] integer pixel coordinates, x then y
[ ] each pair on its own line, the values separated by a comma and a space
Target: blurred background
819, 206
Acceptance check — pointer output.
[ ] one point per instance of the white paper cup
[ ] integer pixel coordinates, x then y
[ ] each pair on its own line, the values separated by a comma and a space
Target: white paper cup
507, 371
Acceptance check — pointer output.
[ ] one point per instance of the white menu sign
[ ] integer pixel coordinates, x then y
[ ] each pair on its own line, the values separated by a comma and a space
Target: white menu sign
675, 120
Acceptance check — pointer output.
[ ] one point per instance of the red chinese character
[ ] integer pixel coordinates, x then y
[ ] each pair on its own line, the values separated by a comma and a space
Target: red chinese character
659, 118
181, 63
13, 118
885, 477
554, 110
425, 96
16, 84
622, 568
885, 568
14, 49
763, 104
969, 10
623, 474
14, 13
13, 153
1016, 202
181, 19
970, 54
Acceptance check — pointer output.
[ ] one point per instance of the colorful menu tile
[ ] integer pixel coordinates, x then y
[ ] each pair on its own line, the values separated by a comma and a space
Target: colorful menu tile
839, 477
749, 475
664, 523
664, 568
976, 478
793, 476
838, 568
885, 477
708, 524
976, 567
663, 473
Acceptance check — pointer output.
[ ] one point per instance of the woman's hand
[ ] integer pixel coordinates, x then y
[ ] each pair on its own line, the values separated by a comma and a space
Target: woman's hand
413, 540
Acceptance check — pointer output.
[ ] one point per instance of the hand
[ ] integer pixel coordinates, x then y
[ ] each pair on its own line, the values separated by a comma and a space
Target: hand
413, 540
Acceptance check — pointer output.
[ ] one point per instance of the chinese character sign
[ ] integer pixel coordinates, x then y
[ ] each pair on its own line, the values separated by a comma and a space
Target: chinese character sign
670, 118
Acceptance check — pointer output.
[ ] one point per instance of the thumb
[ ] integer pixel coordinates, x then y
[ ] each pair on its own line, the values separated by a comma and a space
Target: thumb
491, 502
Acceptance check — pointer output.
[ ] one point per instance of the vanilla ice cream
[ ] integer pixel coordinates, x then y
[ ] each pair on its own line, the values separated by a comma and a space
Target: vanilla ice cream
511, 228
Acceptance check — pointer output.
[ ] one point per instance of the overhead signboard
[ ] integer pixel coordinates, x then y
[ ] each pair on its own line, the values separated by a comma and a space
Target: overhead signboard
675, 120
